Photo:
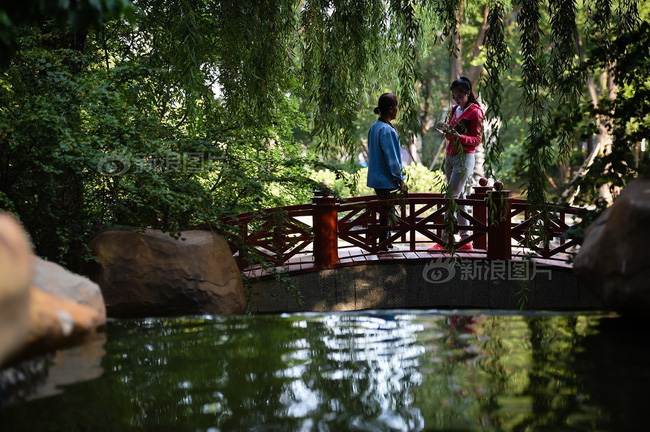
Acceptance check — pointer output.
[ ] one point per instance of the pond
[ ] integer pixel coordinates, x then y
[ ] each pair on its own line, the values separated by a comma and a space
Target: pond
388, 370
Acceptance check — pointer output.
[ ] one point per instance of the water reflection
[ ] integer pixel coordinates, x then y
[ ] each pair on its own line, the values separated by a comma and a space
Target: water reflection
383, 371
612, 372
363, 369
47, 375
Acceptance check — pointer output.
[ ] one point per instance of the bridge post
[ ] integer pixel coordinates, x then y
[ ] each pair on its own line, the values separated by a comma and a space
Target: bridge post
480, 214
499, 225
326, 240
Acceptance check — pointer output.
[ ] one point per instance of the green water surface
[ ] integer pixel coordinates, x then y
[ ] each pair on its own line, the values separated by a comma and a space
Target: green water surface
368, 371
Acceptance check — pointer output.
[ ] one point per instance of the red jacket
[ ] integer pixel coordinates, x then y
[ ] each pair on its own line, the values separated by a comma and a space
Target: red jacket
470, 127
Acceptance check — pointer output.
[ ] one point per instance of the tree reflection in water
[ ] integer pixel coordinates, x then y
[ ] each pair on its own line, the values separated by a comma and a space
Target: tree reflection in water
378, 370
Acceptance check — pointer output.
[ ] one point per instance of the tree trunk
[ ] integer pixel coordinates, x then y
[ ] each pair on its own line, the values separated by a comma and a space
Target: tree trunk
436, 155
414, 148
604, 140
425, 113
474, 72
443, 142
456, 58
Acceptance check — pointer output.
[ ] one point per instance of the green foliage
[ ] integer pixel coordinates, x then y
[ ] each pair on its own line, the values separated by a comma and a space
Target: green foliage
563, 70
254, 50
341, 45
341, 186
203, 101
629, 115
496, 62
77, 14
418, 179
538, 149
408, 40
82, 151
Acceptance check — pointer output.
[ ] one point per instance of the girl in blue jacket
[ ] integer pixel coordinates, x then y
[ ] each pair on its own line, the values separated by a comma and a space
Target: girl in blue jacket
385, 174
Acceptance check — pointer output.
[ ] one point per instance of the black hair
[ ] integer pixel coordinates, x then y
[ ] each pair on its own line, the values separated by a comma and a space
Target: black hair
386, 102
465, 85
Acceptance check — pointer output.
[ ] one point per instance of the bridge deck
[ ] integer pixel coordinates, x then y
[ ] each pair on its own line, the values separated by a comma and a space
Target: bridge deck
352, 256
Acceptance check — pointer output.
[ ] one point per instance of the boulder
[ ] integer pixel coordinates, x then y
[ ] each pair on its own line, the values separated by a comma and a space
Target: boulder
58, 322
151, 273
62, 284
15, 274
64, 308
613, 261
42, 305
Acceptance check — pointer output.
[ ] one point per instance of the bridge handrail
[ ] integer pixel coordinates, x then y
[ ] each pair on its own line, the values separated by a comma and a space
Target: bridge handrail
281, 233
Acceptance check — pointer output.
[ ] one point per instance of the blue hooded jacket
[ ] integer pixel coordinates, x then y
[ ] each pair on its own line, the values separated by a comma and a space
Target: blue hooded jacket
384, 157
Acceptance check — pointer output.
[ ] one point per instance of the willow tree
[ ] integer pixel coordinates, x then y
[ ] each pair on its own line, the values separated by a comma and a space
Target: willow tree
77, 15
237, 78
343, 65
347, 51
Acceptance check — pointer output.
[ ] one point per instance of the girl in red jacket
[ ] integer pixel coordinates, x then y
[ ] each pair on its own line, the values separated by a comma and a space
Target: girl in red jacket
464, 133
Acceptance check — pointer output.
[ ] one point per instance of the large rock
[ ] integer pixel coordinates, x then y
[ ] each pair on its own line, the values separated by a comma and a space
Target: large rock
64, 309
58, 322
15, 274
60, 283
613, 261
42, 305
152, 274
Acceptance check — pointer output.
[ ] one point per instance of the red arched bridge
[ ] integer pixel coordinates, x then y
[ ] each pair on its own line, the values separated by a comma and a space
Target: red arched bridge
330, 231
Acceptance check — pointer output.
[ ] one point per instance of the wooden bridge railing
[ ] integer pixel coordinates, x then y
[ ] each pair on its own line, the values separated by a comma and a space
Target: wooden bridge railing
330, 225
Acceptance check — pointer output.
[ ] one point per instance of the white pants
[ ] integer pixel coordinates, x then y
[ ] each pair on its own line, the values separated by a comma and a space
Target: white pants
458, 168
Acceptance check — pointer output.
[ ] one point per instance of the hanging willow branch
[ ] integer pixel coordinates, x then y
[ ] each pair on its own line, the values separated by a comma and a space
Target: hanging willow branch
497, 62
628, 10
564, 70
447, 13
313, 27
256, 41
409, 33
340, 49
538, 154
352, 50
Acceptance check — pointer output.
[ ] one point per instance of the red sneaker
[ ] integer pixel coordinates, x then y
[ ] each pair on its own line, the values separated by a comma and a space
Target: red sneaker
466, 247
437, 247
